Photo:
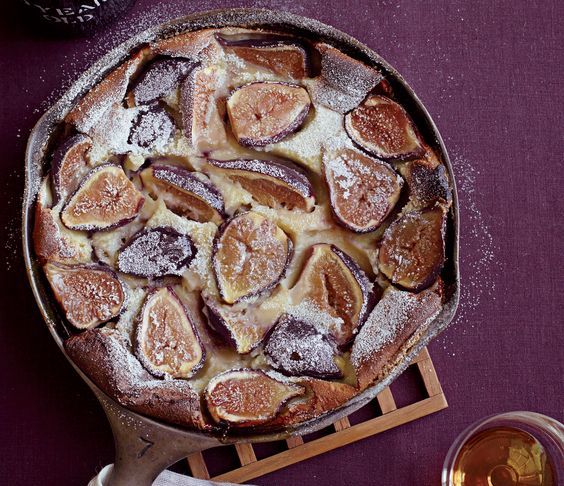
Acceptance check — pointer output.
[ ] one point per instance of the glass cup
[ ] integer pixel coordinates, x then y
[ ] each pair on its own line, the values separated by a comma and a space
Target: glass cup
509, 449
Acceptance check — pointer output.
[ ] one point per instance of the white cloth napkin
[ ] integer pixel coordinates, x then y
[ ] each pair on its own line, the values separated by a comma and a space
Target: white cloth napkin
166, 478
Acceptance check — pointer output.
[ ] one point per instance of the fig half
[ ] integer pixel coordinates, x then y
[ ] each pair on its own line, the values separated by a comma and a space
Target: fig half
239, 330
88, 294
272, 183
156, 252
105, 199
250, 256
296, 347
282, 54
335, 284
158, 79
247, 397
69, 164
362, 190
428, 182
262, 113
202, 108
343, 81
184, 192
384, 129
152, 127
167, 343
412, 251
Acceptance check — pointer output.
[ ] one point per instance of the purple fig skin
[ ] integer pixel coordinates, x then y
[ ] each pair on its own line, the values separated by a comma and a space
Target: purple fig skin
428, 185
92, 267
61, 158
159, 78
389, 157
139, 334
287, 349
368, 293
343, 81
145, 131
135, 264
293, 127
298, 390
264, 290
188, 182
436, 269
221, 325
286, 172
270, 40
90, 227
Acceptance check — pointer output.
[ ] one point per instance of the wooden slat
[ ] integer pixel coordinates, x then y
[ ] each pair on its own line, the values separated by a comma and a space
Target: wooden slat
424, 354
386, 401
342, 424
294, 441
430, 379
198, 466
246, 453
338, 439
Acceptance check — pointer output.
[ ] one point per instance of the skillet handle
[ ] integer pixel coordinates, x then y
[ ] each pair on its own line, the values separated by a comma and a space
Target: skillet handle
145, 448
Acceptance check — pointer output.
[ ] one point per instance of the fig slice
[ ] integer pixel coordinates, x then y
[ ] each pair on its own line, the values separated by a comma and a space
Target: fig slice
247, 397
335, 284
262, 113
296, 347
88, 294
235, 327
362, 190
69, 164
272, 183
250, 256
156, 252
152, 127
105, 199
166, 340
186, 193
202, 106
428, 182
282, 54
384, 129
158, 79
343, 82
412, 251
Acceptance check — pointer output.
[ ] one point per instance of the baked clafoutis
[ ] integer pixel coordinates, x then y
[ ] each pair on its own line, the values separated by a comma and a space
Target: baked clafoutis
243, 229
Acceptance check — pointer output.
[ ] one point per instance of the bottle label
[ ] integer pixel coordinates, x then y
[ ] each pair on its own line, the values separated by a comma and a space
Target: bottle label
84, 11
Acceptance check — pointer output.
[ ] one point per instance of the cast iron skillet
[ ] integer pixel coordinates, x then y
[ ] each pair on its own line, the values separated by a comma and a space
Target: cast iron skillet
144, 447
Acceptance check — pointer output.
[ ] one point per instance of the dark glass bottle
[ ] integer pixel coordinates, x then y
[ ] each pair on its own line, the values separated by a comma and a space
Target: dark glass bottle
76, 16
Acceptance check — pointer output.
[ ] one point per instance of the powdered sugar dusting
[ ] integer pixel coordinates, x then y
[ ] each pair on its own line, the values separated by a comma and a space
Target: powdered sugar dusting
156, 253
307, 311
305, 146
385, 323
297, 348
478, 250
160, 78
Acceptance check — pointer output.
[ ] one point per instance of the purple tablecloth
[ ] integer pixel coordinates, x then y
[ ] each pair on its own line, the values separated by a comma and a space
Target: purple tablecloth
491, 75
